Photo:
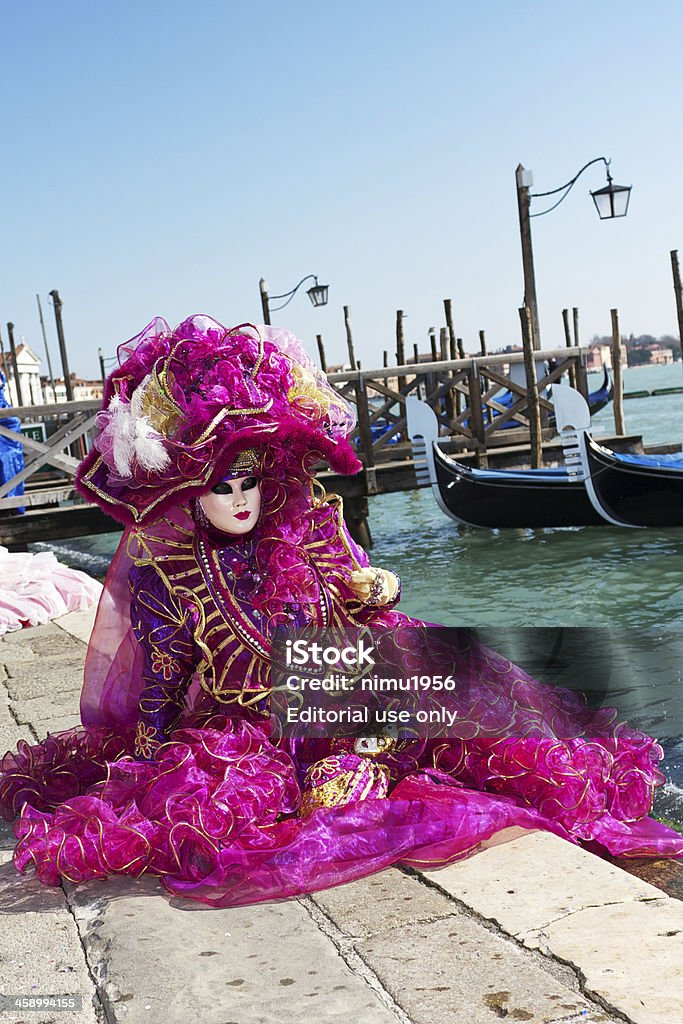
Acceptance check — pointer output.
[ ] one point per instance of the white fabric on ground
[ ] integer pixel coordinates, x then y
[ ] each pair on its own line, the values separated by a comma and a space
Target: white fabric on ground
35, 588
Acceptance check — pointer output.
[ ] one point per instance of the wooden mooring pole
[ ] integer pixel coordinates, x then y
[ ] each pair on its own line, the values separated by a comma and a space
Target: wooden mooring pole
400, 339
477, 415
15, 369
569, 344
618, 379
453, 347
450, 398
349, 338
57, 303
401, 357
676, 270
321, 352
534, 408
567, 332
448, 310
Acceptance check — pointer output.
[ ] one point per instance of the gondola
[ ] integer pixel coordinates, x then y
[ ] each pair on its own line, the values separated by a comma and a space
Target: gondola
492, 498
634, 490
627, 490
502, 498
596, 487
598, 399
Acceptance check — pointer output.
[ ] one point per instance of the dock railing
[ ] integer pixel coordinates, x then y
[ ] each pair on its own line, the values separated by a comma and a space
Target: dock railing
59, 451
465, 395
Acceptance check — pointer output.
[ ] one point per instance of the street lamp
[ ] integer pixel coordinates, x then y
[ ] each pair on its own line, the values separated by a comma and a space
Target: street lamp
610, 202
317, 293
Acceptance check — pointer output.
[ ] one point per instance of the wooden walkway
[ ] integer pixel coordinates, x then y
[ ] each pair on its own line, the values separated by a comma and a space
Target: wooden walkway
464, 393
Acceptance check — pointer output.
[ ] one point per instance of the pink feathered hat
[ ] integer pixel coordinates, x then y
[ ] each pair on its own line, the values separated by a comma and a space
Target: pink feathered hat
184, 403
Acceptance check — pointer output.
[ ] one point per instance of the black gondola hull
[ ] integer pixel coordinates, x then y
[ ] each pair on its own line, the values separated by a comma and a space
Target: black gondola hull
505, 499
636, 495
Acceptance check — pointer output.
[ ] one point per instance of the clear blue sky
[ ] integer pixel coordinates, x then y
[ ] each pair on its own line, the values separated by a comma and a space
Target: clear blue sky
160, 157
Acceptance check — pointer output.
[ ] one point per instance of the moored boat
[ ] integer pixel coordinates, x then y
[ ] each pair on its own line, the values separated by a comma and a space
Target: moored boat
508, 498
634, 490
495, 499
596, 487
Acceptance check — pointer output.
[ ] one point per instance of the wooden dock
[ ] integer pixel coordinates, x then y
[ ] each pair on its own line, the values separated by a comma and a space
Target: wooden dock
464, 393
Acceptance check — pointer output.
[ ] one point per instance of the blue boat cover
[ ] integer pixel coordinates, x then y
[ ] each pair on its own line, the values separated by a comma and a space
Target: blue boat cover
11, 452
671, 461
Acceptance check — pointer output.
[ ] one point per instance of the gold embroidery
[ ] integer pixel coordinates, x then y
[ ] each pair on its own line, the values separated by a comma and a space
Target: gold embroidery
146, 742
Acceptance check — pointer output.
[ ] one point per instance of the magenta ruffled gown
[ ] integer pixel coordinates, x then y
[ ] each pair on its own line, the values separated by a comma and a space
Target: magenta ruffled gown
176, 771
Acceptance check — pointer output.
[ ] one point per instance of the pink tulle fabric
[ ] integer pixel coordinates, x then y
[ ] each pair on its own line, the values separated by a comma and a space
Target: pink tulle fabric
215, 816
35, 588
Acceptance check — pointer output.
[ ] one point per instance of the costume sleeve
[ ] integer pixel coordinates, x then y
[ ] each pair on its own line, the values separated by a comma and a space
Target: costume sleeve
337, 556
163, 628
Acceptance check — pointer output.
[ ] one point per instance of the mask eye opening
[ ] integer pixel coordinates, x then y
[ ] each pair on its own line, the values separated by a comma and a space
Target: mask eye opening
222, 487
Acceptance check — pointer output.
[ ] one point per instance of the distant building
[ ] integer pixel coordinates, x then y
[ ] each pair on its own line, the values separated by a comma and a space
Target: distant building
601, 355
83, 390
28, 365
661, 355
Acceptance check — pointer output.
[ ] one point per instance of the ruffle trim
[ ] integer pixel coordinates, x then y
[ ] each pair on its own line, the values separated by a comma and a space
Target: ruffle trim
216, 815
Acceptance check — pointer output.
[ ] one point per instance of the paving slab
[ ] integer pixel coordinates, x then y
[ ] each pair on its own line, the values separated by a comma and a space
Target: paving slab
6, 717
389, 899
160, 961
57, 705
52, 725
454, 970
78, 624
630, 954
666, 875
536, 879
14, 654
40, 949
623, 935
40, 641
45, 675
10, 736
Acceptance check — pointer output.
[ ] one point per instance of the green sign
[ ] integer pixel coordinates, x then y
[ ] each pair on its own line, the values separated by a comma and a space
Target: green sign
36, 431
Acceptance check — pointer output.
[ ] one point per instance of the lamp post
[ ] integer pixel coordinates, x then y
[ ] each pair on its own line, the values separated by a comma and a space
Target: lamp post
317, 293
610, 202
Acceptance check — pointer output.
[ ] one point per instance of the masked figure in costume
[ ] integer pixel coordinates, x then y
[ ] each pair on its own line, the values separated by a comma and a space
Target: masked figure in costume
205, 451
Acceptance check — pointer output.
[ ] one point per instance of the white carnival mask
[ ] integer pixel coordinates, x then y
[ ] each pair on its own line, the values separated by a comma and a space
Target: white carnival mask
233, 505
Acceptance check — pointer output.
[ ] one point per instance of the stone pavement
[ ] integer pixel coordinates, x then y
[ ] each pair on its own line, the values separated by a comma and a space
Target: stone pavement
530, 930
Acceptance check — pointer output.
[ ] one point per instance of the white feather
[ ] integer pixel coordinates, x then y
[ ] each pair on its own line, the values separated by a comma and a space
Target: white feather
121, 432
133, 436
149, 448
